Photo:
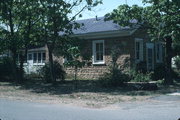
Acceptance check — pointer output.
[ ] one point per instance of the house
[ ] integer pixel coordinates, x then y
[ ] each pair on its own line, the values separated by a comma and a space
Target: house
100, 38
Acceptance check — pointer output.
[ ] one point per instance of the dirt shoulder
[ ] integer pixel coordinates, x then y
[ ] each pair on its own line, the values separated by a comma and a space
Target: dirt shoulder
86, 94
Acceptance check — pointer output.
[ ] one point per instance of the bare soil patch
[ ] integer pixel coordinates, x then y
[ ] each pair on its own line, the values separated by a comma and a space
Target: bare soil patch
85, 93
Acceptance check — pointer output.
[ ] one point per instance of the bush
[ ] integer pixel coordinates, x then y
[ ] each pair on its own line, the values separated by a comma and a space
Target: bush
140, 77
159, 72
141, 67
113, 78
177, 62
58, 72
33, 76
5, 69
176, 74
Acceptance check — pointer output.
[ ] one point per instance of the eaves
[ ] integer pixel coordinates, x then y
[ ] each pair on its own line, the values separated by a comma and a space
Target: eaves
105, 34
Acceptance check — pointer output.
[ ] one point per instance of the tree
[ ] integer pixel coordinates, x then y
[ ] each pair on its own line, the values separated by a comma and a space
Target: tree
161, 18
56, 23
9, 19
17, 21
48, 19
29, 19
73, 55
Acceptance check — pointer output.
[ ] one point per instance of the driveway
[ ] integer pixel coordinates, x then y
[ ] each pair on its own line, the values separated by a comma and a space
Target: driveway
166, 107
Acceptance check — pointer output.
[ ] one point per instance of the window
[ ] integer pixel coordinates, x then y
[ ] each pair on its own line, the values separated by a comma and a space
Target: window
43, 57
21, 57
34, 57
150, 56
98, 52
29, 56
138, 50
158, 52
39, 58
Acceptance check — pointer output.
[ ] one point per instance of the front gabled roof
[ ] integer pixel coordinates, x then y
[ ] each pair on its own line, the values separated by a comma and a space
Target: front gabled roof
99, 28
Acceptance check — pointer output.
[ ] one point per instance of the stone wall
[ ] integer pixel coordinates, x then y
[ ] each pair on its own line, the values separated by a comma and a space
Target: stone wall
90, 71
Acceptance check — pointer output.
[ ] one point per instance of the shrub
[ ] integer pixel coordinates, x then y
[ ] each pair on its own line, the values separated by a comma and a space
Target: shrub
5, 69
33, 76
114, 78
140, 77
141, 67
177, 62
176, 74
159, 72
58, 72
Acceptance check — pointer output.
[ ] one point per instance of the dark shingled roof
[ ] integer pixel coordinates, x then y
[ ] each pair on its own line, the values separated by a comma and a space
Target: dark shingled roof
97, 25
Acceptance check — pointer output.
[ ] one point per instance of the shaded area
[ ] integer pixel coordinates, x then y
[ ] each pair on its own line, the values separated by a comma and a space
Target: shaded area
93, 86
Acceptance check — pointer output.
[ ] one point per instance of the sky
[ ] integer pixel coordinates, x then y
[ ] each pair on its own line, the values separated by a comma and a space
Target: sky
108, 6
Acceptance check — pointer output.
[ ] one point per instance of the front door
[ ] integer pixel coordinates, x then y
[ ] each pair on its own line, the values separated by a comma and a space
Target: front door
150, 56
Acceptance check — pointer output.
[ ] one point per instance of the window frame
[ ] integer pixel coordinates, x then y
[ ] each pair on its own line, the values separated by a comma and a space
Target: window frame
38, 61
94, 59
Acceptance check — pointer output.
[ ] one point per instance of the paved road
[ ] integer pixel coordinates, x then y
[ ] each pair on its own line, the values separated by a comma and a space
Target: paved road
161, 108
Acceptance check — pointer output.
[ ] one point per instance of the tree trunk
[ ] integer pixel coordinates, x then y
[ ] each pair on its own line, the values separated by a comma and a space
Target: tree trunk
14, 66
168, 63
75, 76
21, 73
51, 65
23, 58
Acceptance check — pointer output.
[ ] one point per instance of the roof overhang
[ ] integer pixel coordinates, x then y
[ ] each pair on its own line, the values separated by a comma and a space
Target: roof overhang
37, 49
106, 34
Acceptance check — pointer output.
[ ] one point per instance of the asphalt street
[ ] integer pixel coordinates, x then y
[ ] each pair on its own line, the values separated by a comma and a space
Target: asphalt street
165, 107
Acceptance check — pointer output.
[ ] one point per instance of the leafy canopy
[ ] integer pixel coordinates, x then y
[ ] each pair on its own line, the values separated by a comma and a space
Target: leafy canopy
160, 17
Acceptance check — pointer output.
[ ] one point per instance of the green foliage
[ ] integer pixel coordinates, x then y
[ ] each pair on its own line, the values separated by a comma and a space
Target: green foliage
114, 78
33, 75
140, 77
176, 48
159, 72
32, 22
58, 72
127, 13
57, 21
5, 69
73, 55
160, 18
177, 62
17, 21
141, 67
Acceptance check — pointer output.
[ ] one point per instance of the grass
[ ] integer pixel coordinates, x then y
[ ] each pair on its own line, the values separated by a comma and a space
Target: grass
86, 93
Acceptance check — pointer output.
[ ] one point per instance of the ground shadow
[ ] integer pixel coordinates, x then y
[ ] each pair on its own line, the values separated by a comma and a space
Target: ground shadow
93, 86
